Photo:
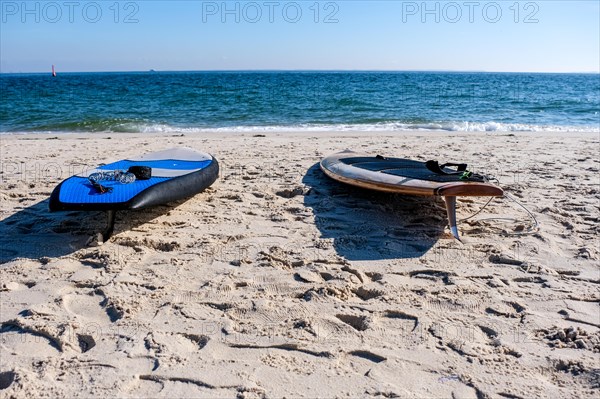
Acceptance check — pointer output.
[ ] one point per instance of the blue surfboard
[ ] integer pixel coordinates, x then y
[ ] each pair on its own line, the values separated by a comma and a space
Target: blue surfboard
176, 174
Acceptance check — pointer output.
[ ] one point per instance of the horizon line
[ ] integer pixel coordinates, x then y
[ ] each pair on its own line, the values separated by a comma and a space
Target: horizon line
300, 70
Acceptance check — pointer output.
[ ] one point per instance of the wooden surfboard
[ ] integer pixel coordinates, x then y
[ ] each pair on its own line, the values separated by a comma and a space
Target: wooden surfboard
405, 176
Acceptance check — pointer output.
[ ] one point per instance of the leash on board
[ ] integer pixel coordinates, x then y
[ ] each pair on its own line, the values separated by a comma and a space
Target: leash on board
534, 225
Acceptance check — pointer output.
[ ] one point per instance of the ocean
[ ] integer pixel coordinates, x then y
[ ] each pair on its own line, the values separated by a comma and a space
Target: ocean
284, 101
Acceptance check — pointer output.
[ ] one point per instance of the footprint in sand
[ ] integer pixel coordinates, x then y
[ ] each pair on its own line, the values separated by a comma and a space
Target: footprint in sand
14, 339
359, 323
91, 307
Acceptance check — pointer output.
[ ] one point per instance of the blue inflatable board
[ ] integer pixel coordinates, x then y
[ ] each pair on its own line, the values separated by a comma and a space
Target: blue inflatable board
176, 174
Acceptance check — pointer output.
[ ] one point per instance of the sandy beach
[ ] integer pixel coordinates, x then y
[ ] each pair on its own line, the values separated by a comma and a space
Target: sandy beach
279, 282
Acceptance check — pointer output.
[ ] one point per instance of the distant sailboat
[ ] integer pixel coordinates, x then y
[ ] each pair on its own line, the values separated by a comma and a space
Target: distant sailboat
53, 71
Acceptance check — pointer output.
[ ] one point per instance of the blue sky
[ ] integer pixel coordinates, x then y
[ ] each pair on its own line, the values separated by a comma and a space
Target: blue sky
540, 36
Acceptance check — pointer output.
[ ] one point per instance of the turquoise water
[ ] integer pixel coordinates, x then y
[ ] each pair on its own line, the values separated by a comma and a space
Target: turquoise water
198, 101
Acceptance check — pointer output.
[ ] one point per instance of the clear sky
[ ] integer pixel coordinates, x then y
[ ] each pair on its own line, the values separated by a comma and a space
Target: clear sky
538, 36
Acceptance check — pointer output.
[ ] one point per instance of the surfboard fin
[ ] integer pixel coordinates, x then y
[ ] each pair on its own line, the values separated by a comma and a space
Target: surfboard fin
451, 211
110, 225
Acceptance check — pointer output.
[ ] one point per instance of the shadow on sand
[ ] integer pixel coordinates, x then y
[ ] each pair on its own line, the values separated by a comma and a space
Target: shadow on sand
370, 225
35, 233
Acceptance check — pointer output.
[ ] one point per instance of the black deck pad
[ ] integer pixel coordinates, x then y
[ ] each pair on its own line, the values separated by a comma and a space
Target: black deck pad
406, 168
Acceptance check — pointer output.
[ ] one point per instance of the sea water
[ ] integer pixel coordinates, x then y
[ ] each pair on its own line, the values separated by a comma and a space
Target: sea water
284, 101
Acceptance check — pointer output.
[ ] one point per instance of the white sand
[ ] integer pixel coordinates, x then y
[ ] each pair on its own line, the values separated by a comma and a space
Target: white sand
277, 282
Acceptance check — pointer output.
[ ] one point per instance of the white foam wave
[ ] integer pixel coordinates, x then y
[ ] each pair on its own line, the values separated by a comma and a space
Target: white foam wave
376, 127
143, 127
